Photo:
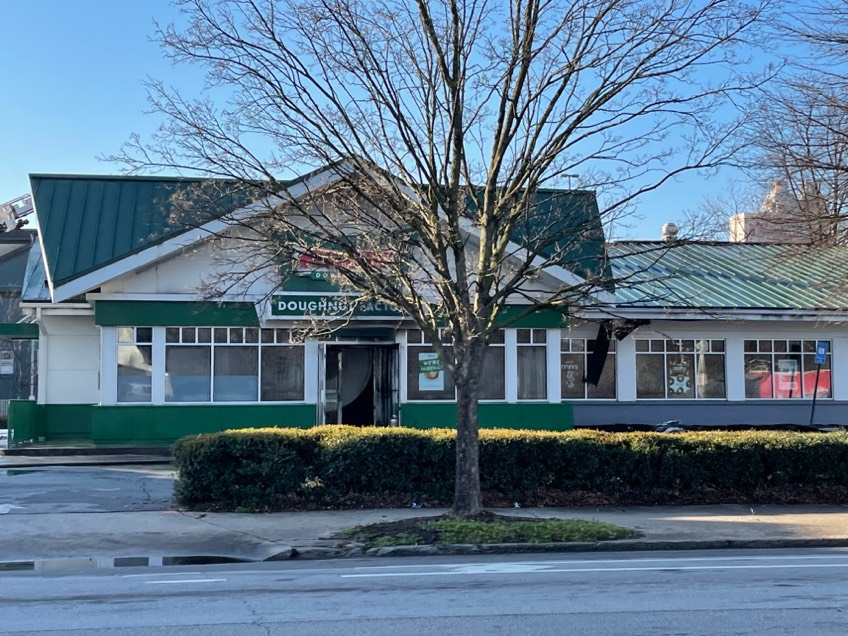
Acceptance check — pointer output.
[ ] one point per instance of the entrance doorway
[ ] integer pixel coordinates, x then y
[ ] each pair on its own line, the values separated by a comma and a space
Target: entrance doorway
360, 385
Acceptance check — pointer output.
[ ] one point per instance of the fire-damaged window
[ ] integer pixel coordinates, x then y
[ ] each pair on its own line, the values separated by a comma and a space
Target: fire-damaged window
680, 369
574, 362
786, 369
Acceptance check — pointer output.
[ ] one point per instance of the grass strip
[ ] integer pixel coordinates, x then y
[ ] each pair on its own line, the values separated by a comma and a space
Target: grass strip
497, 529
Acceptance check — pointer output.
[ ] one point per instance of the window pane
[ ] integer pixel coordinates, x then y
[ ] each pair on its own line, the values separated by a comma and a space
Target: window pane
427, 379
658, 345
641, 345
758, 376
810, 387
572, 373
188, 334
497, 337
236, 335
134, 371
492, 383
779, 346
145, 334
220, 335
540, 336
532, 373
765, 346
681, 375
522, 335
580, 345
172, 334
711, 382
204, 334
187, 374
413, 336
650, 376
236, 374
606, 383
251, 335
787, 376
750, 346
282, 374
717, 346
126, 334
268, 335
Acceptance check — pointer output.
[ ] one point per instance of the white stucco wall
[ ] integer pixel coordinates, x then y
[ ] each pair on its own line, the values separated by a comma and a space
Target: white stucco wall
69, 360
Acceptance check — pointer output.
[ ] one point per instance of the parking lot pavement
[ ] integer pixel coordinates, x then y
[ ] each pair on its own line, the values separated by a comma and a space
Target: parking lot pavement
63, 489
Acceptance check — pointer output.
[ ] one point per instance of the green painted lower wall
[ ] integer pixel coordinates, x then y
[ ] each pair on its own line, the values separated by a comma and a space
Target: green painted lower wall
144, 424
164, 424
25, 421
531, 416
29, 421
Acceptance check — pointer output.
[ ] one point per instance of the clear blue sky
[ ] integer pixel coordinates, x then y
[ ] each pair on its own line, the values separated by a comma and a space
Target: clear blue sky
71, 72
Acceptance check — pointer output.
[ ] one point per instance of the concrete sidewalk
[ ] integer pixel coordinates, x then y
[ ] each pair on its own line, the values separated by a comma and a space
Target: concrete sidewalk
141, 538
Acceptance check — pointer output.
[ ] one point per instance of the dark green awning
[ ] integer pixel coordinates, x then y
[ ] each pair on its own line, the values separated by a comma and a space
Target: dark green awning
19, 330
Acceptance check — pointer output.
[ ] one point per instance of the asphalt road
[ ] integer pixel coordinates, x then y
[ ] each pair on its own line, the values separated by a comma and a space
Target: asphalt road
704, 593
57, 489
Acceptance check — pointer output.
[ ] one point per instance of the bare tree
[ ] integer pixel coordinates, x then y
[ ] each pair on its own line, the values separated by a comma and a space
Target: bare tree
799, 131
442, 123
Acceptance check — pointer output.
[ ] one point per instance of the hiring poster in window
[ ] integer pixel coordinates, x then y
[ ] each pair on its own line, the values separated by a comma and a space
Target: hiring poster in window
430, 372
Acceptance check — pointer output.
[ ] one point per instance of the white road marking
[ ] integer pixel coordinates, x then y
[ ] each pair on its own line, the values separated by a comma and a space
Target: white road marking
5, 508
184, 581
828, 557
159, 574
493, 569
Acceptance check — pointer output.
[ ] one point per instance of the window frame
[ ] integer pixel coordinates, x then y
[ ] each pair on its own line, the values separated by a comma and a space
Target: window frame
189, 336
586, 353
537, 338
668, 350
773, 354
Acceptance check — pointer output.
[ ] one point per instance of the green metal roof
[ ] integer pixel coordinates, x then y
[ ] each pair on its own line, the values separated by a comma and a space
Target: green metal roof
566, 225
87, 222
712, 275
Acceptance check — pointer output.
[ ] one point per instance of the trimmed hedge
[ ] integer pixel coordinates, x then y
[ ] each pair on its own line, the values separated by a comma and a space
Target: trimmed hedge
343, 466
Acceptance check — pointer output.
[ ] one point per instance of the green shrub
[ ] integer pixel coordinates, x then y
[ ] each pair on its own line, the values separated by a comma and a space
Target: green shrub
267, 469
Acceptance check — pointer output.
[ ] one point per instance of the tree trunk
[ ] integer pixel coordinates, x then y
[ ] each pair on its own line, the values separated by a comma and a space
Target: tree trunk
467, 499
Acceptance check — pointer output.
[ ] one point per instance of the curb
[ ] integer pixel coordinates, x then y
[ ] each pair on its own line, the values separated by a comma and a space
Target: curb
310, 553
12, 462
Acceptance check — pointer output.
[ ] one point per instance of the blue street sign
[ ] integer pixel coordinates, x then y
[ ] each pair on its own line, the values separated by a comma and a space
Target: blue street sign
821, 351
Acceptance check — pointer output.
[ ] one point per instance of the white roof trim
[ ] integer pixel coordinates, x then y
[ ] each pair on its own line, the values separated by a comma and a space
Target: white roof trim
707, 313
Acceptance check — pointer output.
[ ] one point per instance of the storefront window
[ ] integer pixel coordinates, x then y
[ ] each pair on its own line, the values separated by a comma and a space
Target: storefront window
680, 369
282, 373
187, 374
532, 365
426, 375
220, 364
574, 362
785, 369
492, 382
236, 374
135, 356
